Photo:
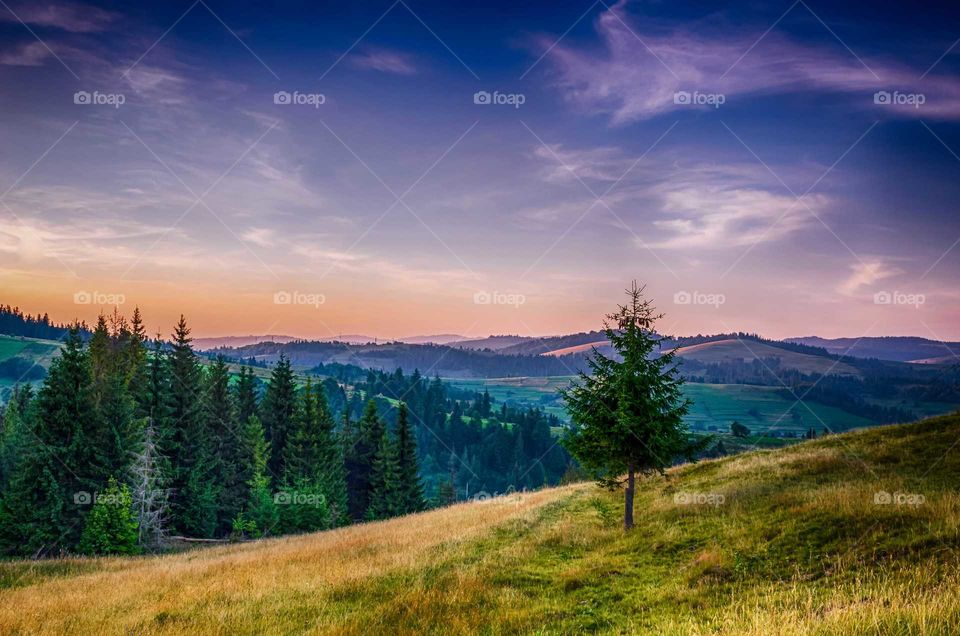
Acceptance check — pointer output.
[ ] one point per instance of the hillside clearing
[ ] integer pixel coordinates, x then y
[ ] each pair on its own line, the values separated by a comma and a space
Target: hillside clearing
792, 538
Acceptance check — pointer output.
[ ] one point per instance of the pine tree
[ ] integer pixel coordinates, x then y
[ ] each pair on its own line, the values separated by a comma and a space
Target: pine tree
246, 388
192, 502
385, 491
446, 493
628, 412
111, 526
261, 509
12, 436
230, 468
313, 459
408, 468
359, 460
136, 363
43, 509
279, 405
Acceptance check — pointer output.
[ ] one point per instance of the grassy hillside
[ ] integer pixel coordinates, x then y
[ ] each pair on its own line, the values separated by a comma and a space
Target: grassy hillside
32, 352
791, 541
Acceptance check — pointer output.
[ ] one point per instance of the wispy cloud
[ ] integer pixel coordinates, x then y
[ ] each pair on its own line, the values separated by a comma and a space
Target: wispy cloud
639, 70
686, 205
865, 274
71, 17
29, 54
385, 61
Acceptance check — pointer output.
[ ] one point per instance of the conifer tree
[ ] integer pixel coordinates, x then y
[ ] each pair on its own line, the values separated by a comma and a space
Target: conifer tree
408, 468
12, 436
230, 467
385, 491
628, 412
359, 460
246, 388
111, 526
279, 405
192, 496
135, 355
313, 459
43, 509
261, 509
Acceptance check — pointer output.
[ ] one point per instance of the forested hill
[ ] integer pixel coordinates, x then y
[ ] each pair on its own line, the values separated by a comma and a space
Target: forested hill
14, 322
444, 360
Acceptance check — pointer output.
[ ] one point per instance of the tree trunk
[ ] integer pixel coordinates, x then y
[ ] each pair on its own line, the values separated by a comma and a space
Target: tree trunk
628, 500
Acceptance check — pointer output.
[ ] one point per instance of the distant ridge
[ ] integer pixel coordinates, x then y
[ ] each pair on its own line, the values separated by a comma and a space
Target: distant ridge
894, 348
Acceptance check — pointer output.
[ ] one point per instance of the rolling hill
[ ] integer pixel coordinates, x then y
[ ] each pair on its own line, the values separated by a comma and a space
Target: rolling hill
895, 348
850, 534
734, 349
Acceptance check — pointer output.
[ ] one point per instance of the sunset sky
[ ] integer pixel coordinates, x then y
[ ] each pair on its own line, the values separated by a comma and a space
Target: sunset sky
787, 201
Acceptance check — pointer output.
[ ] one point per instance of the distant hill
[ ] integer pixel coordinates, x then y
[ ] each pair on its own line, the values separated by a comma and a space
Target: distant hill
493, 343
748, 350
429, 359
204, 344
443, 338
550, 345
895, 348
237, 341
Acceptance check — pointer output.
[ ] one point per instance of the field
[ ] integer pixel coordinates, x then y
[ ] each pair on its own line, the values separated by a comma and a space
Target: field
41, 352
714, 405
794, 541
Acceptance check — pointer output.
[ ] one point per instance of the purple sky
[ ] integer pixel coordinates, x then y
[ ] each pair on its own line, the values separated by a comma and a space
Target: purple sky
789, 170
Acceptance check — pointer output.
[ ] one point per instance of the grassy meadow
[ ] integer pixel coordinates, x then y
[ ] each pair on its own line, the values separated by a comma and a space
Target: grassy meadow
791, 541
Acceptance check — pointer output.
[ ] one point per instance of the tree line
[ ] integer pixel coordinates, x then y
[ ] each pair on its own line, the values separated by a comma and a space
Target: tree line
130, 441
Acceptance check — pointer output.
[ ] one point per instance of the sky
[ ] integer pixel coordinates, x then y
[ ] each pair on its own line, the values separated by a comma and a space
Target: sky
411, 167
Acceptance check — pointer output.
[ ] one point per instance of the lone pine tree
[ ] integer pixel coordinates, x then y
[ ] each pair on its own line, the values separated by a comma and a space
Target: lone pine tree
627, 413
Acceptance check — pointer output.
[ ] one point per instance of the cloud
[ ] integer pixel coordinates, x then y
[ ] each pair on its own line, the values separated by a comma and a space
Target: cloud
639, 71
695, 206
713, 215
29, 54
262, 236
384, 61
598, 164
71, 17
866, 273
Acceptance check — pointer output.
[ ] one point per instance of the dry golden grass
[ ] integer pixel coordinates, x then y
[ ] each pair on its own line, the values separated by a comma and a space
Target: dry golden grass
273, 586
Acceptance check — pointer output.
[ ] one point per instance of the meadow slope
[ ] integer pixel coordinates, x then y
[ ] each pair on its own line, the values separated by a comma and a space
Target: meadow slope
791, 541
